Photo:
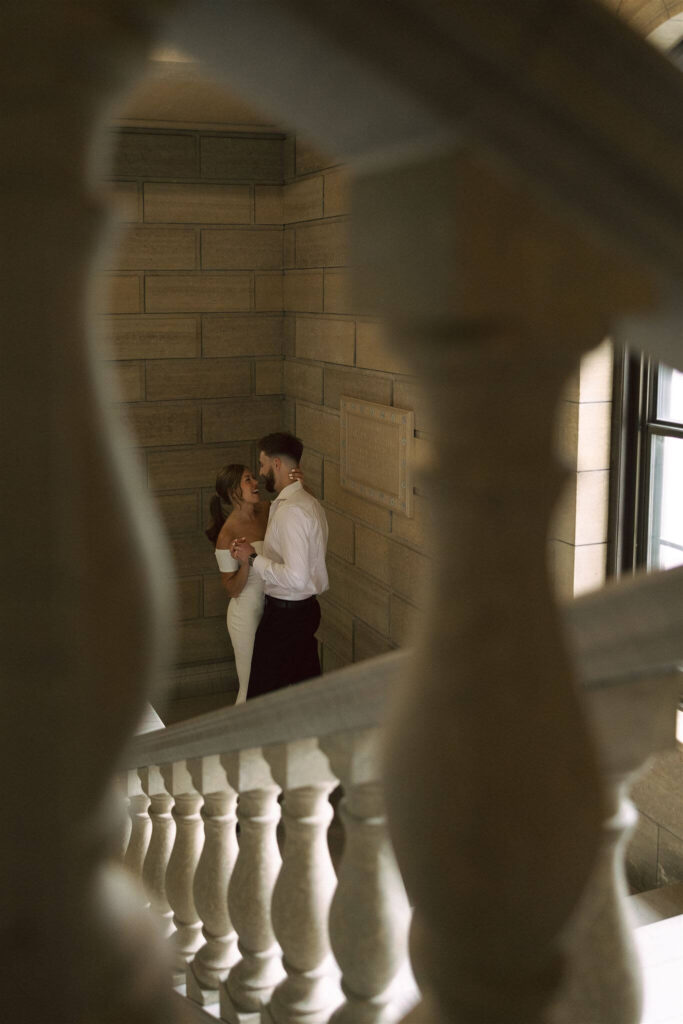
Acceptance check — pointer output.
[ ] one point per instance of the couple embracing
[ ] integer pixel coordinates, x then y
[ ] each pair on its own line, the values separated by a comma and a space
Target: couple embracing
272, 562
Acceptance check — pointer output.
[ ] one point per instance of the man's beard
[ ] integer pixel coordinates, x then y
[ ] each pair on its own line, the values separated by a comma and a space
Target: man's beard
269, 480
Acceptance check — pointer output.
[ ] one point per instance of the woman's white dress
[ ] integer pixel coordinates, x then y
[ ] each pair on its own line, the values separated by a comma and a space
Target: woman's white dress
244, 615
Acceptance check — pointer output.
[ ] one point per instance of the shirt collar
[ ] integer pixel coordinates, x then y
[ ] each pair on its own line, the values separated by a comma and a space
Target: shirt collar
289, 491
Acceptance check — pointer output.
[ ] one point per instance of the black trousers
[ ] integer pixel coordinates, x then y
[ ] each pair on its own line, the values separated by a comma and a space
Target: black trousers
285, 648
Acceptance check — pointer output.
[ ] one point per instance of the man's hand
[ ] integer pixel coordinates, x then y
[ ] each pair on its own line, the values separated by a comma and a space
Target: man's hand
241, 549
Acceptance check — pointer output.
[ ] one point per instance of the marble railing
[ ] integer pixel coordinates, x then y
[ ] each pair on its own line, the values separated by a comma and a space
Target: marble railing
257, 920
279, 918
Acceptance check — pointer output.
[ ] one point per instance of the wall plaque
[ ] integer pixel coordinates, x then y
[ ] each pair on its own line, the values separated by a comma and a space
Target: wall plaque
377, 453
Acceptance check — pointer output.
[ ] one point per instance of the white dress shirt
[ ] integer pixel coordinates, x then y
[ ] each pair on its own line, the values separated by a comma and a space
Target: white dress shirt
292, 565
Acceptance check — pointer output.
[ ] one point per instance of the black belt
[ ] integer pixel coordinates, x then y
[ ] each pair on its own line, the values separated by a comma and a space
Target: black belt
280, 602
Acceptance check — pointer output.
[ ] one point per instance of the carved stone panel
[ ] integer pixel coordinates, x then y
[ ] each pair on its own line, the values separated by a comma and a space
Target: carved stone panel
376, 453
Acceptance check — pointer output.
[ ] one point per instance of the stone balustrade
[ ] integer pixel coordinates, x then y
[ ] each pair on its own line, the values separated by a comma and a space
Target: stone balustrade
267, 931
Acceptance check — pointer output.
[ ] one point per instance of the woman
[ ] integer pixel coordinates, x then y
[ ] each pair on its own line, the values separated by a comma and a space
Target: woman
237, 486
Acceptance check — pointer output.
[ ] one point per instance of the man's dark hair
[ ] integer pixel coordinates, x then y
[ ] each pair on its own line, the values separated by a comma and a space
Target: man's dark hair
281, 444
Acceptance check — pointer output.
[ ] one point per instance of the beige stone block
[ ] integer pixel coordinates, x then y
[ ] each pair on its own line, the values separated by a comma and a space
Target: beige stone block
338, 296
303, 381
657, 792
325, 244
594, 435
163, 423
155, 155
340, 541
189, 597
373, 351
198, 293
592, 493
331, 661
118, 293
325, 339
124, 197
596, 374
303, 291
242, 159
241, 419
303, 200
289, 415
337, 193
197, 378
406, 621
358, 594
567, 434
179, 512
670, 860
125, 381
590, 567
268, 373
355, 384
193, 467
561, 568
563, 521
318, 429
641, 856
423, 453
367, 643
152, 248
403, 570
289, 248
269, 204
268, 292
242, 335
418, 531
202, 640
185, 203
336, 628
192, 553
242, 248
312, 466
150, 337
345, 501
409, 394
215, 598
289, 337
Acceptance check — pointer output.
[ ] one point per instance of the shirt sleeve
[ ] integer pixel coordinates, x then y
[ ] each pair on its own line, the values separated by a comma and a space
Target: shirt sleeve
293, 572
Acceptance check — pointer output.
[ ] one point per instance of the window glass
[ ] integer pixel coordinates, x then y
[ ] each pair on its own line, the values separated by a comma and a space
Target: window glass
665, 533
670, 395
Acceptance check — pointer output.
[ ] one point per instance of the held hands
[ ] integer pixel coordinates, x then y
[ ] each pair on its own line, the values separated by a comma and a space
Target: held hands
241, 549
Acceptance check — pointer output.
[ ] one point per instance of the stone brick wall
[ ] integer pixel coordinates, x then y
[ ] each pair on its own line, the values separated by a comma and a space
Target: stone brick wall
192, 302
226, 314
376, 558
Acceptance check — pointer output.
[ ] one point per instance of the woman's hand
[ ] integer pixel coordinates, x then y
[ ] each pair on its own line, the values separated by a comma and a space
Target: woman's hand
296, 474
241, 549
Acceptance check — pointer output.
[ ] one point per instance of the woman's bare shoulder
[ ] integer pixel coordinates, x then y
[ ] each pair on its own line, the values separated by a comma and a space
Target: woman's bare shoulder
227, 534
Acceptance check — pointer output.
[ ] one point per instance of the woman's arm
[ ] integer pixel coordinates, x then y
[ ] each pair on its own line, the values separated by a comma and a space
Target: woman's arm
233, 582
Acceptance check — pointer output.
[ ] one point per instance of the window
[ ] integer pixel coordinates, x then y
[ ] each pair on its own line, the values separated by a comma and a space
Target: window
647, 467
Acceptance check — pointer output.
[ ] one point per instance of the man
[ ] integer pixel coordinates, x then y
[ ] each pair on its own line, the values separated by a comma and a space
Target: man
293, 570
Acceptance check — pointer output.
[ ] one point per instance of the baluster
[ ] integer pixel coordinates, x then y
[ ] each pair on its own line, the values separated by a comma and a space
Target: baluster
305, 886
251, 981
369, 915
141, 826
219, 952
121, 809
182, 863
160, 846
490, 763
602, 986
